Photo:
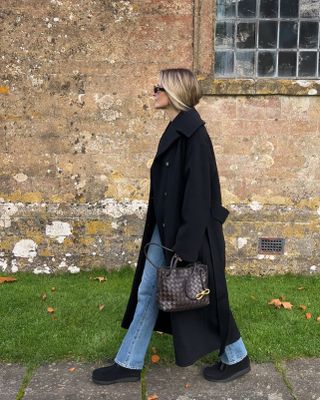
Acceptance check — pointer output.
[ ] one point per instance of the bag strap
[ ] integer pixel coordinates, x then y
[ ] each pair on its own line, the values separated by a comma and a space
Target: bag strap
174, 259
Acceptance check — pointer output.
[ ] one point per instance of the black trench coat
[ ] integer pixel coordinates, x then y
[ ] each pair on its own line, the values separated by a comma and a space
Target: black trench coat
185, 203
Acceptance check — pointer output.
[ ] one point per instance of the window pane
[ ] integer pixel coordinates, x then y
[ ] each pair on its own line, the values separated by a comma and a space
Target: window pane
266, 63
268, 8
224, 63
288, 35
307, 63
224, 34
226, 8
308, 35
289, 8
287, 63
247, 8
245, 63
246, 35
309, 8
268, 34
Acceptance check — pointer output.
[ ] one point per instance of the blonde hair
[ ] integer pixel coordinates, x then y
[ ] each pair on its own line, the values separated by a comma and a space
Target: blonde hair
181, 87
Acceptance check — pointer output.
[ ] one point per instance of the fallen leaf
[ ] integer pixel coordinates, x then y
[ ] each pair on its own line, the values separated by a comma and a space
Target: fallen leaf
50, 310
72, 369
308, 315
155, 358
153, 397
53, 289
43, 296
101, 307
100, 278
287, 305
303, 307
318, 319
7, 279
276, 302
187, 385
301, 288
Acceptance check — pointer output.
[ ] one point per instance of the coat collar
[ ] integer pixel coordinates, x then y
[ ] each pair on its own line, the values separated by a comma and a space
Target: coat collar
185, 123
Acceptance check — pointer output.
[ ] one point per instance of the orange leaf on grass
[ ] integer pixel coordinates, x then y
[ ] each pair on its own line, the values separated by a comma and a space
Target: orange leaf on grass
7, 279
318, 319
100, 278
155, 358
287, 305
308, 315
303, 307
276, 302
51, 310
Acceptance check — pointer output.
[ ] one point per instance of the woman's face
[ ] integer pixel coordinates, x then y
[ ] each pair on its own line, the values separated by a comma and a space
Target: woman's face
161, 100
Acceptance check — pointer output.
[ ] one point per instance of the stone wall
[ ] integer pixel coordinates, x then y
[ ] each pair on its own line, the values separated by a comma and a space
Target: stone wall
79, 132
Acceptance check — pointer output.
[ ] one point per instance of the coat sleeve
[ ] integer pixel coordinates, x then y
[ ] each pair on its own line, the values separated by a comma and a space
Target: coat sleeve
195, 212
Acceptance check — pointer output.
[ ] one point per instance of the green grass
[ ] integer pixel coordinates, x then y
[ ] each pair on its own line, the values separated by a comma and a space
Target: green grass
81, 332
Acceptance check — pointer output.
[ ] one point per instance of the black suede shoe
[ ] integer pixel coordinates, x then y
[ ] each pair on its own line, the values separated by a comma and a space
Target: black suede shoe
221, 372
115, 373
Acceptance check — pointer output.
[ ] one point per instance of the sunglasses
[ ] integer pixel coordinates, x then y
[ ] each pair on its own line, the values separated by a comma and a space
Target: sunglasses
157, 89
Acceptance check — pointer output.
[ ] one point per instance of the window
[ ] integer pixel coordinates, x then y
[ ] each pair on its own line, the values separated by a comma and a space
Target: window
267, 39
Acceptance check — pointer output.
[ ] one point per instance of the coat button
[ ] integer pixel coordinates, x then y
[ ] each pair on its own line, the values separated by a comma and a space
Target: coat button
167, 163
163, 225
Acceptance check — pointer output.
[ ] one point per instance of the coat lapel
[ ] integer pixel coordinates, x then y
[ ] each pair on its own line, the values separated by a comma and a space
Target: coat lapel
185, 123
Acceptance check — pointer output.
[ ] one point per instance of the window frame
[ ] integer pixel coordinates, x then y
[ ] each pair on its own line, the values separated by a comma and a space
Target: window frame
203, 62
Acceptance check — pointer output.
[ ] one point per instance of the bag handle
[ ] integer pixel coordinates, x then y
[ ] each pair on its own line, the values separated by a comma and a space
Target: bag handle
174, 259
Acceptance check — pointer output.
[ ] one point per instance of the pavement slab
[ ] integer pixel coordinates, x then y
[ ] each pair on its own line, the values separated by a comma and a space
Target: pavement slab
56, 382
263, 382
11, 377
304, 376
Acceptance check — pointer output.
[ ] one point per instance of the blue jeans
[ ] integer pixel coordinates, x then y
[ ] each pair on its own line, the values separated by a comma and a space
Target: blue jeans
134, 346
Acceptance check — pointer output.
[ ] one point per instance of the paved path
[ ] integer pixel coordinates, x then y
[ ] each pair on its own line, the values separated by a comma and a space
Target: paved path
293, 380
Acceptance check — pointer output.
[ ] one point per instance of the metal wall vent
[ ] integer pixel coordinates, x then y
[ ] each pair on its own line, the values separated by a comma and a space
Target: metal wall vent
271, 245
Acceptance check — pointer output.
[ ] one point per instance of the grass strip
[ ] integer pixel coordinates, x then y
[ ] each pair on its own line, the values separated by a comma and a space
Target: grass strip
80, 329
31, 368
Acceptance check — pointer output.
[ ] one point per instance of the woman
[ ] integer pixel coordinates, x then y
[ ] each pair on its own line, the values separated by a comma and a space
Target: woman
186, 215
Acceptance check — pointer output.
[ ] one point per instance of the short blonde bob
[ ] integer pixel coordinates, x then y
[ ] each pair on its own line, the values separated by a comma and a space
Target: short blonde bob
181, 87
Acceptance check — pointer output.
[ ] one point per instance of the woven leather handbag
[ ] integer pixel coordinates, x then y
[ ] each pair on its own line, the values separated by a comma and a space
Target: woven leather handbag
180, 288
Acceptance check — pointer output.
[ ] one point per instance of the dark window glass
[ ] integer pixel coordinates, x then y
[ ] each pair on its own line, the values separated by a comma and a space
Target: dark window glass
224, 34
267, 34
287, 63
307, 63
289, 8
247, 8
245, 63
246, 35
288, 35
309, 9
226, 8
266, 63
308, 34
224, 63
268, 8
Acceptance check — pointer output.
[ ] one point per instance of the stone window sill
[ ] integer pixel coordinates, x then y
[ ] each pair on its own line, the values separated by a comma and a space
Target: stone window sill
249, 87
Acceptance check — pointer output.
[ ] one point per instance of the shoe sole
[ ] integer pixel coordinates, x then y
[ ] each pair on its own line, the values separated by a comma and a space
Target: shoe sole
231, 378
132, 379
